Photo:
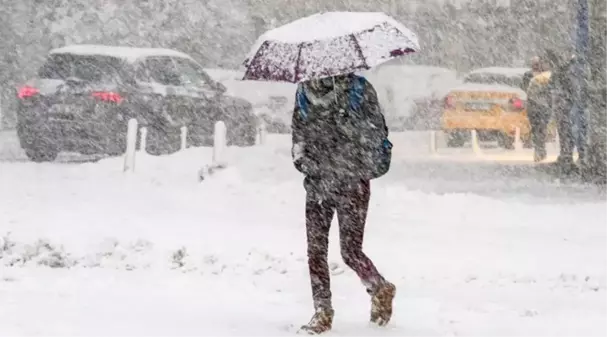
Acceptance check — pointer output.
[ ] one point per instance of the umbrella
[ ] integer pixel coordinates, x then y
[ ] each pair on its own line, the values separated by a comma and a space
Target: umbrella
328, 44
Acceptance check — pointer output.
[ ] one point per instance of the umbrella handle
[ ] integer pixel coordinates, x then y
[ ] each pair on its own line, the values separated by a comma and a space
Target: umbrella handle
334, 89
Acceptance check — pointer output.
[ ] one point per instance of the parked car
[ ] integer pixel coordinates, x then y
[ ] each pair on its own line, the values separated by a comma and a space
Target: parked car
83, 96
272, 101
220, 75
276, 113
490, 101
412, 95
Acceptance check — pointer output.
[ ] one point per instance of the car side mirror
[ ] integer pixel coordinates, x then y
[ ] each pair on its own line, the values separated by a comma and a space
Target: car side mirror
130, 81
222, 89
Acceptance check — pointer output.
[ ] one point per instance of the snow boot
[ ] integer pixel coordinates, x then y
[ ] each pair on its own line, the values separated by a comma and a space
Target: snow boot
381, 304
539, 155
321, 322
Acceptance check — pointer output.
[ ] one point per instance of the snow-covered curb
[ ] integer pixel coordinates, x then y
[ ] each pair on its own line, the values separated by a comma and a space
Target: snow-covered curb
141, 254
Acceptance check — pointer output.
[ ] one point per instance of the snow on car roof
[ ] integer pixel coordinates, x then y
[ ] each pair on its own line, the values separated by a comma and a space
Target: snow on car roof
259, 91
412, 81
220, 75
130, 54
501, 70
490, 88
417, 70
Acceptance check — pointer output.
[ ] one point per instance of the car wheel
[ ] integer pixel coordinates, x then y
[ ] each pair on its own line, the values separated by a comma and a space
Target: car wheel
245, 138
251, 138
200, 135
161, 141
43, 153
38, 147
243, 134
116, 145
505, 141
455, 139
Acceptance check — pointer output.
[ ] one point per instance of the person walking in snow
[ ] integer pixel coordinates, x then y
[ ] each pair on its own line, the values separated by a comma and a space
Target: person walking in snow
536, 69
563, 96
340, 143
538, 108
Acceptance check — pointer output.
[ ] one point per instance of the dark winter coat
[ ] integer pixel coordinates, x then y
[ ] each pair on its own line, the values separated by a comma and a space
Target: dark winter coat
527, 79
329, 138
562, 83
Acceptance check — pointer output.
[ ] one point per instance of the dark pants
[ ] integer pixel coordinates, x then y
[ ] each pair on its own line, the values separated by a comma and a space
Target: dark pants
539, 117
351, 204
579, 123
562, 111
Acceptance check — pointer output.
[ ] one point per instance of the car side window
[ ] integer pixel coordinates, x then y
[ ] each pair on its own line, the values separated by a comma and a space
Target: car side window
141, 72
192, 74
162, 70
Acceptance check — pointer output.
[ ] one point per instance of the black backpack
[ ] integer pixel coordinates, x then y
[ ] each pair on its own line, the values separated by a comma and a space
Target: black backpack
371, 151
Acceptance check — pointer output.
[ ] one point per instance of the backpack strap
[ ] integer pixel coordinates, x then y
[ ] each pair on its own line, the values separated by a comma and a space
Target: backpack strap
357, 92
356, 95
302, 102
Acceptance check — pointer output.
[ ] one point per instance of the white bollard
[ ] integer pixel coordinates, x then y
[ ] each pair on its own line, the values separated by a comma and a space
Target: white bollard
432, 142
476, 148
1, 115
219, 144
184, 137
518, 143
263, 133
219, 147
143, 139
131, 146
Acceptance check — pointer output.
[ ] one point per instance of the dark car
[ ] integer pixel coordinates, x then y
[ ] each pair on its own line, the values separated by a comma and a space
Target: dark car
84, 95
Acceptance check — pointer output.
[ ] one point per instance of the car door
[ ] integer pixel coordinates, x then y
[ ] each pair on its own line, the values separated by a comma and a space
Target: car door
200, 87
167, 98
194, 78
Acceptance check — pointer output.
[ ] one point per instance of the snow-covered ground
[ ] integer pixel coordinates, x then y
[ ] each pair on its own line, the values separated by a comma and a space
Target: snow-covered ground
475, 247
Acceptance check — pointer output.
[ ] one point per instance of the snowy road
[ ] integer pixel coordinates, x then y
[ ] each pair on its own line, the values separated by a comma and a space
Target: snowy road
475, 248
10, 149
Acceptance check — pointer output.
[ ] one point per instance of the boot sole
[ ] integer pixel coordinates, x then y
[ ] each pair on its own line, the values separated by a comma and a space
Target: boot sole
383, 320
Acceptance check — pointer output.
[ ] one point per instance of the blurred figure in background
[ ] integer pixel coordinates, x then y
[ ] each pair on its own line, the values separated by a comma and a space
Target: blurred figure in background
562, 88
538, 105
536, 69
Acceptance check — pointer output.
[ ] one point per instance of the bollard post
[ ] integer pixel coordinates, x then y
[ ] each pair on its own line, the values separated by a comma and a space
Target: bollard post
263, 133
219, 146
476, 149
131, 146
184, 137
432, 142
219, 143
1, 115
143, 139
518, 143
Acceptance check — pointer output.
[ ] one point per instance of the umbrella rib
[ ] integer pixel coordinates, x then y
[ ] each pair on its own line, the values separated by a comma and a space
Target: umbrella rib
359, 51
263, 46
300, 47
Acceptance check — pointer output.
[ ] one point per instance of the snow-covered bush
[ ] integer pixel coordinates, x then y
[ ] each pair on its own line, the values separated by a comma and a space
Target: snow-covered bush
42, 253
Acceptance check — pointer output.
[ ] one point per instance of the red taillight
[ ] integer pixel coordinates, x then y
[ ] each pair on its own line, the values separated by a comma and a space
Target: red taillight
449, 102
108, 96
517, 103
27, 91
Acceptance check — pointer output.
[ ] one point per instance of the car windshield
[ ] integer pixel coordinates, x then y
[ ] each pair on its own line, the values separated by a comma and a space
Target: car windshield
84, 67
494, 78
192, 74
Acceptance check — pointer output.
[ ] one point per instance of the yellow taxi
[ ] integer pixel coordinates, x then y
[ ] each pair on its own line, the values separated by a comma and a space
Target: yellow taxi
490, 101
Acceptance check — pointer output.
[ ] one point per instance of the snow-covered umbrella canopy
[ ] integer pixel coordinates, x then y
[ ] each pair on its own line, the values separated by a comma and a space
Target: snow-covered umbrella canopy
328, 44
